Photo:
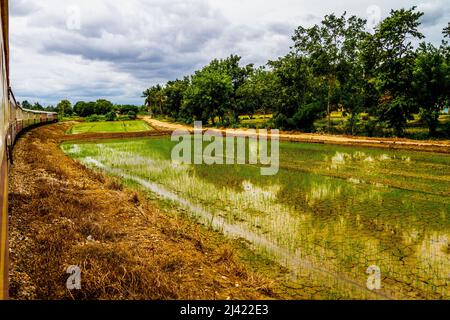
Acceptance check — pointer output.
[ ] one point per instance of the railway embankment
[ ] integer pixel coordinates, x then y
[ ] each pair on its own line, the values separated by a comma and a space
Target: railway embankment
63, 214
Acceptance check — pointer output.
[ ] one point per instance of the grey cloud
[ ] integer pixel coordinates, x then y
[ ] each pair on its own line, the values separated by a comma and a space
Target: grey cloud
281, 28
23, 7
123, 47
434, 13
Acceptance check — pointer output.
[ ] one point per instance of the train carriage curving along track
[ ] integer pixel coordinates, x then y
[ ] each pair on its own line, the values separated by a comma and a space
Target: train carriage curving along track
13, 120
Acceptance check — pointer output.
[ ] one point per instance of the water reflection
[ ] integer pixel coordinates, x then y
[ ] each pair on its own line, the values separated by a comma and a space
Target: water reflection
328, 212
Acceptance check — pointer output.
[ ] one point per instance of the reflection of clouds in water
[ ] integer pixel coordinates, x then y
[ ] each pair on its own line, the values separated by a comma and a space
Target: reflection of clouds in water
344, 221
256, 192
338, 159
94, 162
342, 158
117, 158
411, 236
322, 191
434, 254
406, 159
73, 149
355, 181
248, 186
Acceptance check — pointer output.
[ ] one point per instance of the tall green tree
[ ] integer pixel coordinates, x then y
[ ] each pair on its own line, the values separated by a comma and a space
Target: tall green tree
174, 93
27, 105
238, 74
103, 106
295, 87
259, 93
37, 106
125, 108
209, 95
431, 83
396, 57
369, 59
331, 48
80, 109
154, 99
64, 107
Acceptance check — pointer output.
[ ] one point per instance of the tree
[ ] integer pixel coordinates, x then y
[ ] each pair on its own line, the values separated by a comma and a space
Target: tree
238, 75
154, 99
132, 115
431, 84
27, 105
331, 48
103, 106
51, 108
353, 91
294, 84
369, 61
304, 118
37, 106
259, 92
124, 109
446, 31
111, 116
173, 103
79, 108
209, 95
335, 64
394, 73
65, 108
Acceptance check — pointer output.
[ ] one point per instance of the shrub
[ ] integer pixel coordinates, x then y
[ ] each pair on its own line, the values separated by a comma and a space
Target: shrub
132, 115
93, 118
419, 136
375, 128
111, 116
305, 117
281, 122
229, 122
446, 130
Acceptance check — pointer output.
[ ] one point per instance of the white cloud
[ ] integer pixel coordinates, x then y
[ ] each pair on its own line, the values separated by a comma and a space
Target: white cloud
122, 47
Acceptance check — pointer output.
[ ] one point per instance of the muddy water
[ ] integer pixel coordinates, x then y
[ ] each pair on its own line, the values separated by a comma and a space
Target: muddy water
330, 214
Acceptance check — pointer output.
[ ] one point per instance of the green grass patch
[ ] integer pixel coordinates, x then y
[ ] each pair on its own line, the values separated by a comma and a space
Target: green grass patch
110, 127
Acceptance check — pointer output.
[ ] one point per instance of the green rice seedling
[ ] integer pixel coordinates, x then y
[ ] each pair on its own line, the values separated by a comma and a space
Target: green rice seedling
329, 214
110, 127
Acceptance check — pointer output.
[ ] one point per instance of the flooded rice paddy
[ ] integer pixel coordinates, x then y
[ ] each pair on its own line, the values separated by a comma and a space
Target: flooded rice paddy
328, 215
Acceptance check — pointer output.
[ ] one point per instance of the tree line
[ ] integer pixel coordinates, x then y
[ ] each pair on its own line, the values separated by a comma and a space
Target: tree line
101, 107
334, 65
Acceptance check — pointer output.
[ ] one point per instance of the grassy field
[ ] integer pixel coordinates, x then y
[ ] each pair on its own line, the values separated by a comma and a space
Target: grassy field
109, 127
329, 214
255, 120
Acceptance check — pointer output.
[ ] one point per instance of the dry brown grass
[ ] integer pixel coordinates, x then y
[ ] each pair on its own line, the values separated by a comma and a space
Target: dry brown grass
64, 214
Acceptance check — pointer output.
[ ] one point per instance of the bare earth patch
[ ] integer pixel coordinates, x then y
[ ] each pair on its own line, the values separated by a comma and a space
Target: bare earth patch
63, 214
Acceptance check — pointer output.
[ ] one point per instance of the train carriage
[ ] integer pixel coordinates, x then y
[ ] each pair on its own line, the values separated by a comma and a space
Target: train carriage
13, 119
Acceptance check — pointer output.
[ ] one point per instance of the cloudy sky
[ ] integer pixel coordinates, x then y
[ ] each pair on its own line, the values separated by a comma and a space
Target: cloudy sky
114, 49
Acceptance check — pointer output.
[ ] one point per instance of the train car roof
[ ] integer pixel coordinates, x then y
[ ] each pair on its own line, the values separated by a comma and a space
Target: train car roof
38, 111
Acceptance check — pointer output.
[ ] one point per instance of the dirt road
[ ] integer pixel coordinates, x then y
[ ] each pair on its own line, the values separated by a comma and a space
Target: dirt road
432, 146
64, 214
